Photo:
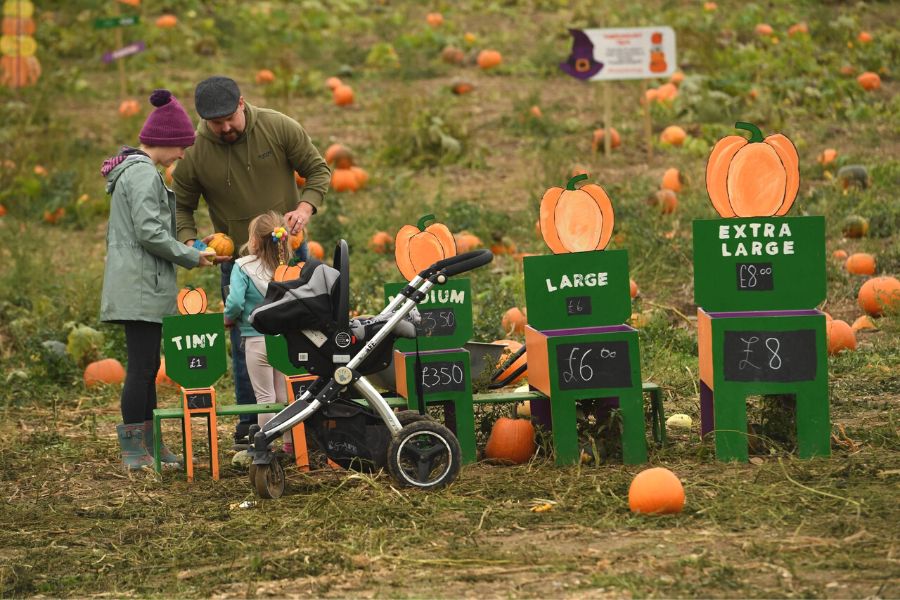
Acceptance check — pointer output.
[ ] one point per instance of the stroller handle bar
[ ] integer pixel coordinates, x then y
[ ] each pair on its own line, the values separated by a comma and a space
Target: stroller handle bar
460, 263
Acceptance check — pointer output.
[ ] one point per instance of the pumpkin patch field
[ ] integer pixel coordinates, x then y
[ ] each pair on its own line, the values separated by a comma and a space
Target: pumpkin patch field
450, 126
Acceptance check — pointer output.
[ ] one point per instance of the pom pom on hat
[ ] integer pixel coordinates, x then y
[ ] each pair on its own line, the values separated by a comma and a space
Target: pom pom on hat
169, 124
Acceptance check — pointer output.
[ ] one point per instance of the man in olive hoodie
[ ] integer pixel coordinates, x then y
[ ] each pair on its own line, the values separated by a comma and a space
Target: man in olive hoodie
243, 165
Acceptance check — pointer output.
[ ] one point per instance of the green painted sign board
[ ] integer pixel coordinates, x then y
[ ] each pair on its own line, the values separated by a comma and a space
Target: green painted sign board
760, 263
446, 316
194, 347
580, 289
277, 354
112, 22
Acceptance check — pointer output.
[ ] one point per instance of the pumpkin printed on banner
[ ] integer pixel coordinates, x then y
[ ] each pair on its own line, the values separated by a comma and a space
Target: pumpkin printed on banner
758, 177
418, 246
191, 301
576, 219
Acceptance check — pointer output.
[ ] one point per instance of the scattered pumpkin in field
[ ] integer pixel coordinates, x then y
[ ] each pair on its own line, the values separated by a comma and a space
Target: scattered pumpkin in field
299, 179
53, 217
511, 440
676, 78
167, 21
161, 378
879, 295
343, 95
672, 180
514, 321
434, 19
222, 244
2, 211
488, 59
461, 87
502, 245
634, 288
332, 83
869, 81
763, 29
798, 28
362, 176
753, 178
855, 226
191, 301
417, 247
827, 156
666, 200
847, 70
535, 111
840, 336
578, 170
667, 92
344, 180
469, 38
339, 156
129, 108
710, 6
466, 242
106, 371
863, 323
381, 242
656, 491
265, 76
853, 175
316, 250
673, 135
679, 421
839, 255
599, 134
864, 37
650, 95
860, 263
453, 55
576, 219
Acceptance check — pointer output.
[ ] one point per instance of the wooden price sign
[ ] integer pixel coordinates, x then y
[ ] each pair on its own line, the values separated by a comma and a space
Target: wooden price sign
446, 316
761, 263
578, 289
590, 365
194, 347
770, 355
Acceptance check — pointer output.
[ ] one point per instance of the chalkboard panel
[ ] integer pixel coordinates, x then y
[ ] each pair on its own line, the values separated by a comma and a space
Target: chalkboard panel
780, 356
443, 376
754, 277
300, 386
437, 322
578, 305
196, 362
201, 400
593, 365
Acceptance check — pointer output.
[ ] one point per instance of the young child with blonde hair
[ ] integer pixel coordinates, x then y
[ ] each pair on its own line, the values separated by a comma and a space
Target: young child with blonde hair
267, 247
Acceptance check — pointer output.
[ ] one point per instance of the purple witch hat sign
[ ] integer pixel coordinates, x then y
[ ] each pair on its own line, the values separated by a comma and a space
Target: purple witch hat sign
581, 63
621, 53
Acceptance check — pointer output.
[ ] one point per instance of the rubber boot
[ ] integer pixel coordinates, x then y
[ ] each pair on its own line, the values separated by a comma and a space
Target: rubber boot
131, 441
166, 456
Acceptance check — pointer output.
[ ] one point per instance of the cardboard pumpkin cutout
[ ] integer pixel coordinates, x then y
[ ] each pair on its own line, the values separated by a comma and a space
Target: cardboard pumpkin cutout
576, 219
417, 247
758, 177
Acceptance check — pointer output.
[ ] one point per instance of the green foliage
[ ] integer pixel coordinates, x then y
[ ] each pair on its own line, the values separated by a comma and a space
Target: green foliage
84, 344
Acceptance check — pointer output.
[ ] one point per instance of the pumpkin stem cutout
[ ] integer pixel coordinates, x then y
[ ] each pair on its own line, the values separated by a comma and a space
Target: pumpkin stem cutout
576, 219
417, 247
191, 301
758, 177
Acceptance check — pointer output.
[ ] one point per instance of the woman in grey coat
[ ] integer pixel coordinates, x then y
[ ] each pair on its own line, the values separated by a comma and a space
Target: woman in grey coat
139, 286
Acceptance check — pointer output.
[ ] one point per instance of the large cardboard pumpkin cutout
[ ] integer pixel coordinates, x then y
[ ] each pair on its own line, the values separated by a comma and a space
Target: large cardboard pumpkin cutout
753, 178
417, 247
576, 219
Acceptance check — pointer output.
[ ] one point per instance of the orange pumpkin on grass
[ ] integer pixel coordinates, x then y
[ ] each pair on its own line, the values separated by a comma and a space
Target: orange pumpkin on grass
316, 250
763, 29
418, 246
840, 336
162, 379
667, 92
839, 254
514, 321
362, 176
860, 263
488, 59
879, 295
191, 301
862, 323
343, 95
453, 55
333, 82
672, 180
265, 76
656, 491
339, 156
461, 87
576, 219
2, 211
129, 108
827, 156
633, 288
753, 178
466, 242
869, 81
381, 242
107, 371
344, 180
511, 440
599, 134
673, 135
864, 37
434, 19
167, 21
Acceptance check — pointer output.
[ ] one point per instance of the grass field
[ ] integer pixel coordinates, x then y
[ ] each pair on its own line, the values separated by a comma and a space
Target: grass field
74, 525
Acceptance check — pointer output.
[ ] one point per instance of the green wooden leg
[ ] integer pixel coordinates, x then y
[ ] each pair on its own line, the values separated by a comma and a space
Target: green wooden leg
465, 429
565, 430
731, 425
157, 442
657, 413
813, 420
634, 438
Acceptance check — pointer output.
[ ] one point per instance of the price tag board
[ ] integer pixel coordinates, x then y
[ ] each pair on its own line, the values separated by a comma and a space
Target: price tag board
443, 376
298, 386
780, 356
589, 365
446, 316
194, 347
580, 289
762, 263
199, 400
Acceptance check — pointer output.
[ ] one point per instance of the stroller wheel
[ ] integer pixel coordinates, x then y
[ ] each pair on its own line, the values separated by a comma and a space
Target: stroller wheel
424, 454
269, 480
411, 416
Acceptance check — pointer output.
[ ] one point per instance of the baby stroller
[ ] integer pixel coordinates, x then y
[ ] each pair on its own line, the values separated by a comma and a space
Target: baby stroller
312, 313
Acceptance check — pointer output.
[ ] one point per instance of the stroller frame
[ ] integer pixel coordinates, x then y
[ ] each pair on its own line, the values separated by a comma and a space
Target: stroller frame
265, 470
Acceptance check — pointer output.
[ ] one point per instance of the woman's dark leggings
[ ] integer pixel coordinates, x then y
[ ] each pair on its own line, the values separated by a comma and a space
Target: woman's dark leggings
143, 340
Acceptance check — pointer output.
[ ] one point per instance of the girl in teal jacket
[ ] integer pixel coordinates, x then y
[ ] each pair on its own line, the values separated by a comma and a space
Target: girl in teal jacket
139, 286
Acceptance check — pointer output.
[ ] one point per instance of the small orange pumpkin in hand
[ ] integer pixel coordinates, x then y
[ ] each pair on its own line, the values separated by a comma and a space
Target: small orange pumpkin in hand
576, 219
222, 244
753, 178
417, 246
191, 301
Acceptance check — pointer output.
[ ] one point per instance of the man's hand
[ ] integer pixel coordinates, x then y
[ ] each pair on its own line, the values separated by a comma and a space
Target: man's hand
298, 218
207, 260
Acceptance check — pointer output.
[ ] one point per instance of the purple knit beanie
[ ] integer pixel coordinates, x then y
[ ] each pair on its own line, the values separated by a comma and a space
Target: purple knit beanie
169, 124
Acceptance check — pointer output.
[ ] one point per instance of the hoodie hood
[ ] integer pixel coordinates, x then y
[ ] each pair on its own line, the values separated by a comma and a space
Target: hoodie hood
114, 166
